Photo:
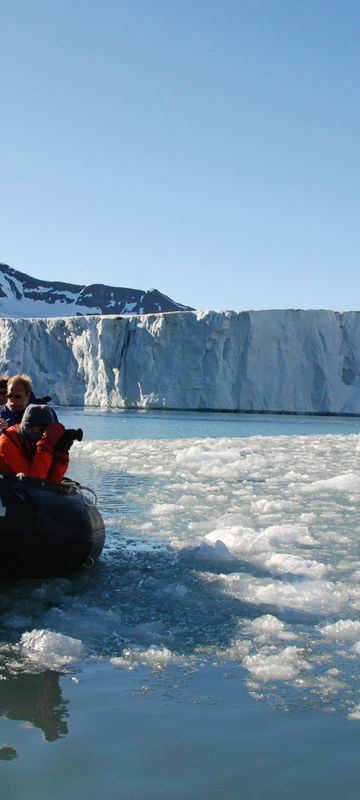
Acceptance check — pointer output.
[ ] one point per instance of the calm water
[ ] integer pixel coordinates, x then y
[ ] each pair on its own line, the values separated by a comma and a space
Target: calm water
99, 424
214, 650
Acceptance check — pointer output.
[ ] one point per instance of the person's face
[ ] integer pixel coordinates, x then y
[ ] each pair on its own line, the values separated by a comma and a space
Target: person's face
18, 398
35, 431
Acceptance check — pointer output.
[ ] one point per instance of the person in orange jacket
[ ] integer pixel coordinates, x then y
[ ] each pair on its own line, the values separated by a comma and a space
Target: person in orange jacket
34, 447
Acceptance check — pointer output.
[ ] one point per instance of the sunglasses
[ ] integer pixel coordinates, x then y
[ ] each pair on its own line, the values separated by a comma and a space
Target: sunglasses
17, 396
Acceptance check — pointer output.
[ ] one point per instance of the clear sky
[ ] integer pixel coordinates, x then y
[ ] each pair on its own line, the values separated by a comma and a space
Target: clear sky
205, 148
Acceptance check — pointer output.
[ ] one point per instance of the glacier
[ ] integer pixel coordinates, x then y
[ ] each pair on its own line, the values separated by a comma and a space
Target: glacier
293, 361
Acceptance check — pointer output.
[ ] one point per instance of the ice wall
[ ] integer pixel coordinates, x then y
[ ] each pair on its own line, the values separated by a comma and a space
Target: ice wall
294, 361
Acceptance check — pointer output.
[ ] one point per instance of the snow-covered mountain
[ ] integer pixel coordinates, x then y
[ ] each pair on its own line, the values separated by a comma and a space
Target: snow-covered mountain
281, 361
23, 296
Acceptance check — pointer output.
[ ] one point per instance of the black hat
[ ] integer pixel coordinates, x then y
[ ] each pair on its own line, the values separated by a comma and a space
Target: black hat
37, 415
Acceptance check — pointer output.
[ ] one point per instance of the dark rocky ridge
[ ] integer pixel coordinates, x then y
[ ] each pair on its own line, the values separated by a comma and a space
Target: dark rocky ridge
24, 296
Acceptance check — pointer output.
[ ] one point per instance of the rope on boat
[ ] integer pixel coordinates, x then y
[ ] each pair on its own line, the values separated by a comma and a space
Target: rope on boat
68, 482
89, 563
81, 489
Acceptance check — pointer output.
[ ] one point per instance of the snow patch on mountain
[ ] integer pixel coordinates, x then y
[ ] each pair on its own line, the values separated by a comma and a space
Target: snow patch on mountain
27, 297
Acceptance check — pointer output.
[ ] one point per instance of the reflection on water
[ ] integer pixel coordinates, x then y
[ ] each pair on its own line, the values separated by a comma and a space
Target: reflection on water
36, 699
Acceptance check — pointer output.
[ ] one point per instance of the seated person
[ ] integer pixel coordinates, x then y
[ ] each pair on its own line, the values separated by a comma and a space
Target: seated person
3, 391
34, 447
20, 394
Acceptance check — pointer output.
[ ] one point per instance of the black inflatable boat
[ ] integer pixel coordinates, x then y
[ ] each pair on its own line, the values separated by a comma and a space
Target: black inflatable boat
47, 530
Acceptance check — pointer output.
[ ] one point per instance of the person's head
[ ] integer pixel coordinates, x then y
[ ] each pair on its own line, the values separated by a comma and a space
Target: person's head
35, 420
19, 392
3, 390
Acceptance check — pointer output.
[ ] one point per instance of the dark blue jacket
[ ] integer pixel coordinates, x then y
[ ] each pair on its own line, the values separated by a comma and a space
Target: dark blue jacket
15, 419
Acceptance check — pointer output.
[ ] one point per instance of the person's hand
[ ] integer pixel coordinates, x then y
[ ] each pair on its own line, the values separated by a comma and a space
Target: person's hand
3, 425
66, 440
51, 435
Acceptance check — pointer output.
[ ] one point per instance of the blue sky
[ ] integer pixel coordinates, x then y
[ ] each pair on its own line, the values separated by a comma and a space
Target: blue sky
206, 148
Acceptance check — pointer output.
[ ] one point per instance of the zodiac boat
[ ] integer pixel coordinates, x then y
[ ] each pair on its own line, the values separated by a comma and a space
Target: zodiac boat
47, 530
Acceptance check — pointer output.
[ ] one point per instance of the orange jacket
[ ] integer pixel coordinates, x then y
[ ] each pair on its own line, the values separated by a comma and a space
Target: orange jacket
16, 455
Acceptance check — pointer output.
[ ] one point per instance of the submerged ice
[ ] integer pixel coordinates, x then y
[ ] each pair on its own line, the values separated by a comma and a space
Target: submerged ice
230, 551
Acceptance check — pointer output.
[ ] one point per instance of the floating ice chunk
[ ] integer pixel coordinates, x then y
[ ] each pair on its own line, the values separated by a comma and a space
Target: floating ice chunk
155, 657
51, 650
249, 542
350, 482
218, 551
164, 510
237, 651
225, 463
344, 630
355, 714
277, 534
234, 517
221, 551
268, 627
231, 536
284, 665
303, 595
296, 565
267, 623
188, 500
268, 506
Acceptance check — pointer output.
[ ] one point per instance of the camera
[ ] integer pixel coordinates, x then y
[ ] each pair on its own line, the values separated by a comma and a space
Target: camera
67, 439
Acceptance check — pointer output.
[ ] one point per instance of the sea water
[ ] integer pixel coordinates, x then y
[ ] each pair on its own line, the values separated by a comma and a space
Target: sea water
214, 649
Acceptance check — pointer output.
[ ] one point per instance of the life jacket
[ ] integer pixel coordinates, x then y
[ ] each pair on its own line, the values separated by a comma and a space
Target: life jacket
18, 455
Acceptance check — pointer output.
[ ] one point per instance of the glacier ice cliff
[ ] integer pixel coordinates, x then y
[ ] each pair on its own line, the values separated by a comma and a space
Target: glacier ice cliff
282, 361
